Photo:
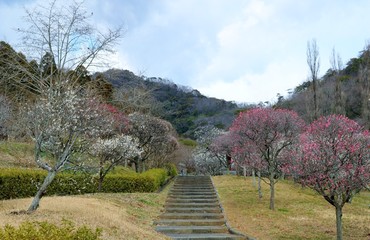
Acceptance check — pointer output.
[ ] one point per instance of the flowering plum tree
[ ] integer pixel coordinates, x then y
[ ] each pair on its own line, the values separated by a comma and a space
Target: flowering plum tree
267, 133
61, 124
60, 42
334, 160
155, 136
222, 147
114, 151
246, 156
207, 156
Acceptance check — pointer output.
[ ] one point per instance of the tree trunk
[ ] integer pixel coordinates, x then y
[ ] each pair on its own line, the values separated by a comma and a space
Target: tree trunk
272, 192
138, 165
101, 178
338, 211
259, 186
245, 172
101, 175
315, 111
36, 200
254, 178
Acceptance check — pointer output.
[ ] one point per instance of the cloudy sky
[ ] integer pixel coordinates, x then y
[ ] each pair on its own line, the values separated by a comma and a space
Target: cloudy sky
240, 50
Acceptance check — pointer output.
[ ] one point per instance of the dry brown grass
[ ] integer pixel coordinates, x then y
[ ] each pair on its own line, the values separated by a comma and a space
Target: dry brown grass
300, 213
121, 216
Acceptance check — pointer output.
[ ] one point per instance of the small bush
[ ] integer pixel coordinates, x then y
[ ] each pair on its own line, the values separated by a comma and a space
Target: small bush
188, 142
45, 231
171, 170
149, 181
122, 170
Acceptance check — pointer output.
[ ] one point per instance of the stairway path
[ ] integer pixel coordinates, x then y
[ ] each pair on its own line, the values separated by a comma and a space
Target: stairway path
193, 211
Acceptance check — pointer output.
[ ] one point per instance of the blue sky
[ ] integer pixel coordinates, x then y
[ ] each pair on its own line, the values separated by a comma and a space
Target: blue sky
241, 50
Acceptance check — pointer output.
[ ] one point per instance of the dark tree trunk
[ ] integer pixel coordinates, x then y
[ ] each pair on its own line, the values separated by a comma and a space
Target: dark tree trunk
272, 192
101, 178
259, 186
36, 200
338, 211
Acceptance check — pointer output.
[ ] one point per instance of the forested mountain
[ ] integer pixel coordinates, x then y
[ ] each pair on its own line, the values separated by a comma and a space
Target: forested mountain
184, 107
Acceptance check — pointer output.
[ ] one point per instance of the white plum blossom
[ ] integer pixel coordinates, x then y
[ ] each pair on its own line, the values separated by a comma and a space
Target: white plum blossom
119, 147
113, 151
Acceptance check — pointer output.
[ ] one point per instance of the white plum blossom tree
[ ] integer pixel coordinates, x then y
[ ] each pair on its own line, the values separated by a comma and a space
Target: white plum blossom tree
62, 44
114, 151
156, 138
208, 161
62, 123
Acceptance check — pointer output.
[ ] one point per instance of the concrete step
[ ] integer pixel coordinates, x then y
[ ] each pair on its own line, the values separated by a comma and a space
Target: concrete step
192, 216
192, 191
197, 201
174, 196
194, 210
194, 195
207, 236
191, 229
190, 204
193, 199
190, 222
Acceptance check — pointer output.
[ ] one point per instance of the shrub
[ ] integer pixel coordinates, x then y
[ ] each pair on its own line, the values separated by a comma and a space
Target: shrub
19, 183
46, 231
157, 175
149, 181
188, 142
171, 170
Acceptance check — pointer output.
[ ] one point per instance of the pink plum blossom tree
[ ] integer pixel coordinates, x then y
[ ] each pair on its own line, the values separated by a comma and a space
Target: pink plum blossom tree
333, 159
265, 134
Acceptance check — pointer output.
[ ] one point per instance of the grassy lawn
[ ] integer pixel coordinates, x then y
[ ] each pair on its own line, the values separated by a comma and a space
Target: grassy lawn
300, 212
16, 154
120, 215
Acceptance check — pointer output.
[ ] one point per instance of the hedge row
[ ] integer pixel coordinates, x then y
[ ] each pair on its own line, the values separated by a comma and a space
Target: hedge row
19, 183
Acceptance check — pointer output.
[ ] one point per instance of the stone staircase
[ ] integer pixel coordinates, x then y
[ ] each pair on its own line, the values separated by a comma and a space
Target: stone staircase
193, 211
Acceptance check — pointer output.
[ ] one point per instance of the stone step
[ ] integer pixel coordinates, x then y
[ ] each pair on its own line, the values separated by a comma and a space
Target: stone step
190, 204
192, 200
192, 191
193, 210
191, 229
195, 195
208, 236
176, 196
192, 216
190, 222
202, 189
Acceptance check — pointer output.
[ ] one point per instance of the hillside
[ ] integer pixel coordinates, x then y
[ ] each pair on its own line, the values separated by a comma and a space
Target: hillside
344, 90
186, 108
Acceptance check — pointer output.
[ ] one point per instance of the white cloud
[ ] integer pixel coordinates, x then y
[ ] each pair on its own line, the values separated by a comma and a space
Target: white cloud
256, 87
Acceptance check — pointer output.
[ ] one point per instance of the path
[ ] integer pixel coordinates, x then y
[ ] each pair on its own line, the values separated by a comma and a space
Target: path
193, 211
